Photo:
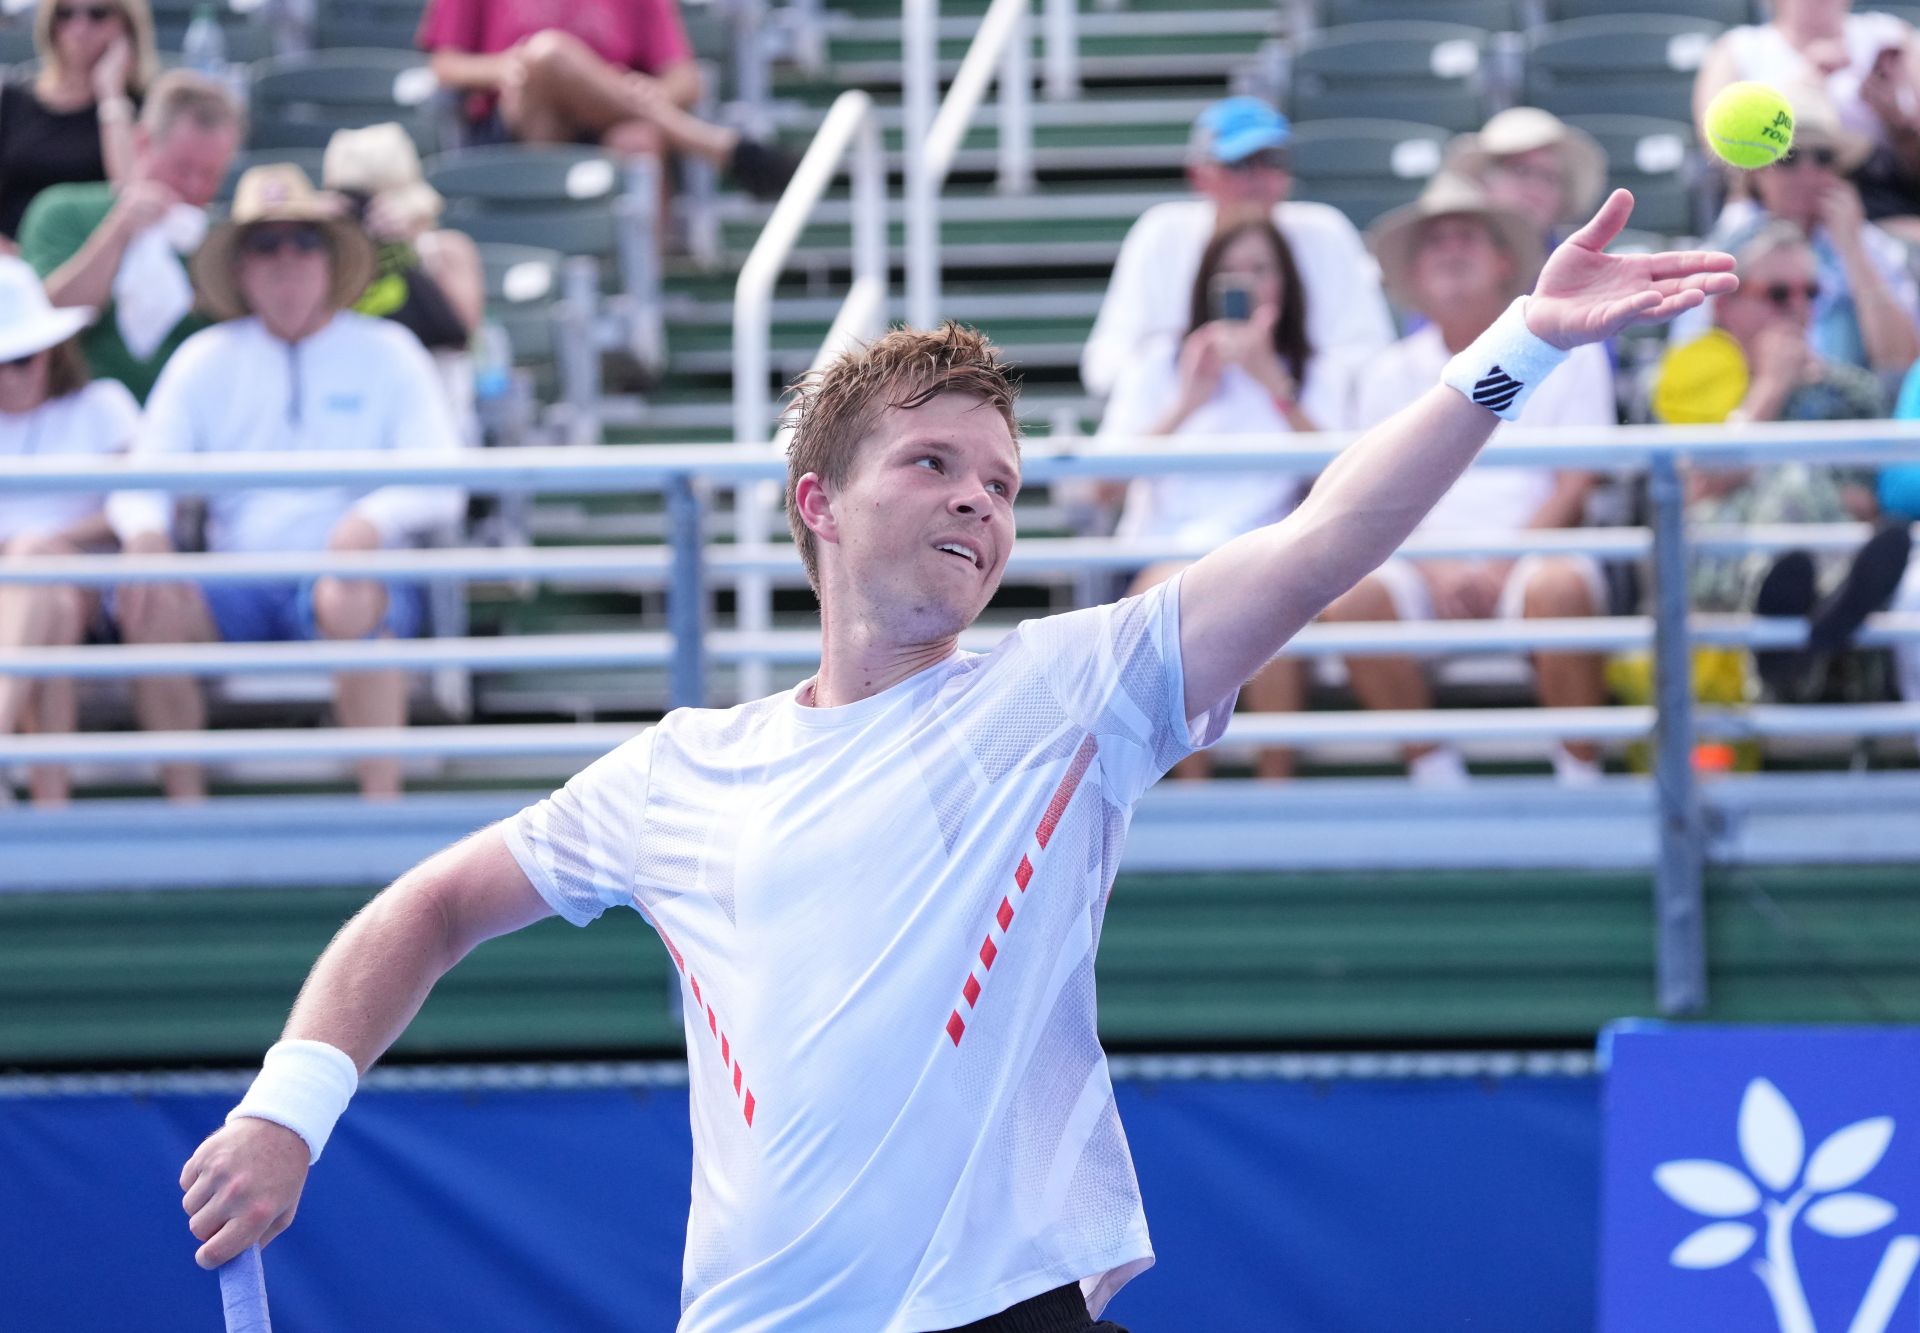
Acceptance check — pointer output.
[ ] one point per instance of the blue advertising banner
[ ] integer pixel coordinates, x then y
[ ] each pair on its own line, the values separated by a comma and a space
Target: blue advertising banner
1760, 1179
1295, 1205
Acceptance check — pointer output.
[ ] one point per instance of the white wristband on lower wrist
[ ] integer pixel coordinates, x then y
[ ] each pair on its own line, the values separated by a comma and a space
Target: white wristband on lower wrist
303, 1086
1501, 368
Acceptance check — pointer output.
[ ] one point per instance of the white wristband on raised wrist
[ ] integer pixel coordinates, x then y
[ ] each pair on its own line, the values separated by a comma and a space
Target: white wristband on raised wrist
1501, 368
303, 1086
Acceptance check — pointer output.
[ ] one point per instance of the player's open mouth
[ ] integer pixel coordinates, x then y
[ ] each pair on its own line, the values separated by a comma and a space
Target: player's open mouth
965, 552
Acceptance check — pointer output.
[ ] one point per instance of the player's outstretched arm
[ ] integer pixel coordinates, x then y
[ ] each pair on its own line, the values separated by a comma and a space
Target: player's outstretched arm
1241, 603
243, 1183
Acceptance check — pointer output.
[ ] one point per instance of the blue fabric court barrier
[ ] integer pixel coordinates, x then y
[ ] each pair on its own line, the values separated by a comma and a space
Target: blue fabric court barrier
1279, 1205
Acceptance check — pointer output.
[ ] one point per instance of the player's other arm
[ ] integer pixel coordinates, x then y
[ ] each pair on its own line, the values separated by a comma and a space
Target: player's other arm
1242, 602
243, 1183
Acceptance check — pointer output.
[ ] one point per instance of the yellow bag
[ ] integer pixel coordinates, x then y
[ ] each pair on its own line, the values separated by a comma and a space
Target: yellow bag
1720, 676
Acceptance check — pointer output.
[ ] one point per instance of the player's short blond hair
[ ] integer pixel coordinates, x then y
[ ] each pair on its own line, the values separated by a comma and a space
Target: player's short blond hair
834, 409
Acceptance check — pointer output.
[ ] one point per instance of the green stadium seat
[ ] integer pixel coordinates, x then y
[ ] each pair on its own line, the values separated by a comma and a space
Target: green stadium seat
1656, 160
1641, 64
1728, 13
387, 25
1492, 15
1426, 73
299, 101
1364, 167
558, 198
523, 282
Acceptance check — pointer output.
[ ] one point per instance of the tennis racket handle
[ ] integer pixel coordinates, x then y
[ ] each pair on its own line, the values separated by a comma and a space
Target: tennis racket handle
243, 1293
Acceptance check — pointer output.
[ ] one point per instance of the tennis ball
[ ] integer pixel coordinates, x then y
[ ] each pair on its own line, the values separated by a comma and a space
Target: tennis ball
1749, 124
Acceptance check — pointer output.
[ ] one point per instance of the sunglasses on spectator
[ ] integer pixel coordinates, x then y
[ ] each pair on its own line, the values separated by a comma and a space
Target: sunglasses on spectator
1268, 159
1781, 294
265, 242
91, 13
1820, 155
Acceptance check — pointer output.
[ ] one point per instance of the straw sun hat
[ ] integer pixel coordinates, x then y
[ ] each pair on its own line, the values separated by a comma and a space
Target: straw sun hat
380, 161
1522, 129
1395, 237
281, 192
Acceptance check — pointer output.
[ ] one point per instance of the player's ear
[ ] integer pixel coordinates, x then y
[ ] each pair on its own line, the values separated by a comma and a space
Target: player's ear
815, 506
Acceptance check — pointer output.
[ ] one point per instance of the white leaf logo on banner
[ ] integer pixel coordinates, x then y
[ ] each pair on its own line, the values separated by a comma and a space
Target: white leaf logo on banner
1770, 1136
1849, 1154
1774, 1147
1712, 1189
1850, 1215
1714, 1246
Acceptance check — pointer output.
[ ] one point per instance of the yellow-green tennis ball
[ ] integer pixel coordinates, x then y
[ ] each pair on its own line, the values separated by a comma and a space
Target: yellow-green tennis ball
1749, 124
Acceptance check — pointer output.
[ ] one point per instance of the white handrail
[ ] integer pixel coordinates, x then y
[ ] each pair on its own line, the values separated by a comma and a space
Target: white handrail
649, 566
850, 126
1001, 47
623, 468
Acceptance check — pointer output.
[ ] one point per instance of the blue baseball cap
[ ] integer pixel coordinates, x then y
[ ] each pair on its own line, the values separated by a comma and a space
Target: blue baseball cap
1235, 128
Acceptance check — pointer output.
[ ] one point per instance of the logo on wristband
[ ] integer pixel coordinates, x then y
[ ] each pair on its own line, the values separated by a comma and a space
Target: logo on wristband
1496, 390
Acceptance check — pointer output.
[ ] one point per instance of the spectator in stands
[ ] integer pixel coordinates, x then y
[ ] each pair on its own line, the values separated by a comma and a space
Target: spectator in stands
1459, 260
1237, 158
1533, 163
1245, 367
118, 249
428, 279
1865, 314
1869, 67
74, 120
49, 409
292, 370
597, 71
1759, 364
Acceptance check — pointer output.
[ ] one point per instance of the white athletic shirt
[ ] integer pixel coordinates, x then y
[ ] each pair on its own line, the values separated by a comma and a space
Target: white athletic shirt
1490, 499
884, 916
99, 418
358, 383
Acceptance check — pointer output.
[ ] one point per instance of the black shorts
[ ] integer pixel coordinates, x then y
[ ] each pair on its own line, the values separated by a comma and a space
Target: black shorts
1062, 1310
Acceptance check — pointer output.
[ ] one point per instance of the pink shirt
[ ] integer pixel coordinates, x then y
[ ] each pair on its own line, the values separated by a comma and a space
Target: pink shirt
647, 35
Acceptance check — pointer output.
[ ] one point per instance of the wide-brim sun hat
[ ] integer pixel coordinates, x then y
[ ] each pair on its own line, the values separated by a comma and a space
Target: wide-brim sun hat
381, 162
1395, 237
1817, 124
281, 192
1522, 129
30, 323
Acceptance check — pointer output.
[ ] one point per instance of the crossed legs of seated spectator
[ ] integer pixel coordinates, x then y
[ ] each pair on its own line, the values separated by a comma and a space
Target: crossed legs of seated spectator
342, 609
36, 616
1280, 687
1547, 589
570, 93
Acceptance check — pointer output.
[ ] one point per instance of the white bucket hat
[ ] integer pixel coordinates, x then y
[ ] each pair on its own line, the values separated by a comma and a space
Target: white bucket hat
1522, 129
28, 322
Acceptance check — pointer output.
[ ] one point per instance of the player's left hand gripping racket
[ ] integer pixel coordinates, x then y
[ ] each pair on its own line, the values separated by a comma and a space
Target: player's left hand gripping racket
243, 1293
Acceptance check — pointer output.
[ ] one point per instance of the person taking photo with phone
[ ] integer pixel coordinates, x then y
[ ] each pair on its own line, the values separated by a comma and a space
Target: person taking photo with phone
1244, 367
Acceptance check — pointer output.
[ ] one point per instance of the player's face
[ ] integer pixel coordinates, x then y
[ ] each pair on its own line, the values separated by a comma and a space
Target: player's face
924, 524
1459, 261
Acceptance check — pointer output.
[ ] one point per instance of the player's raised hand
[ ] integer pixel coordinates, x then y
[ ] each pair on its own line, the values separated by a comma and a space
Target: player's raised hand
1585, 295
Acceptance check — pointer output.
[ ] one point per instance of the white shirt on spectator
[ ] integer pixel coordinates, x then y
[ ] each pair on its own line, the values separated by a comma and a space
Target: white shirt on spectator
1488, 498
1210, 509
1150, 294
99, 418
357, 384
1762, 53
884, 917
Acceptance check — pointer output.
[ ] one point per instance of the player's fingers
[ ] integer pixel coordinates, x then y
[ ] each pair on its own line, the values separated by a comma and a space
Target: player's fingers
231, 1239
280, 1224
1684, 263
197, 1193
1606, 224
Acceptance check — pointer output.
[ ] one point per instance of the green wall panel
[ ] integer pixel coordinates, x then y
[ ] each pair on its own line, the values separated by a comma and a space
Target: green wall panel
181, 977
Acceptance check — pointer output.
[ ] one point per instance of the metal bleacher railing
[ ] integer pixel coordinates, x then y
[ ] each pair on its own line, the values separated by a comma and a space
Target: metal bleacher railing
1671, 825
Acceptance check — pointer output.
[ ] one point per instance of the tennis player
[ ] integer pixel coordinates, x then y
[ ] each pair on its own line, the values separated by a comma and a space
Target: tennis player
884, 889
